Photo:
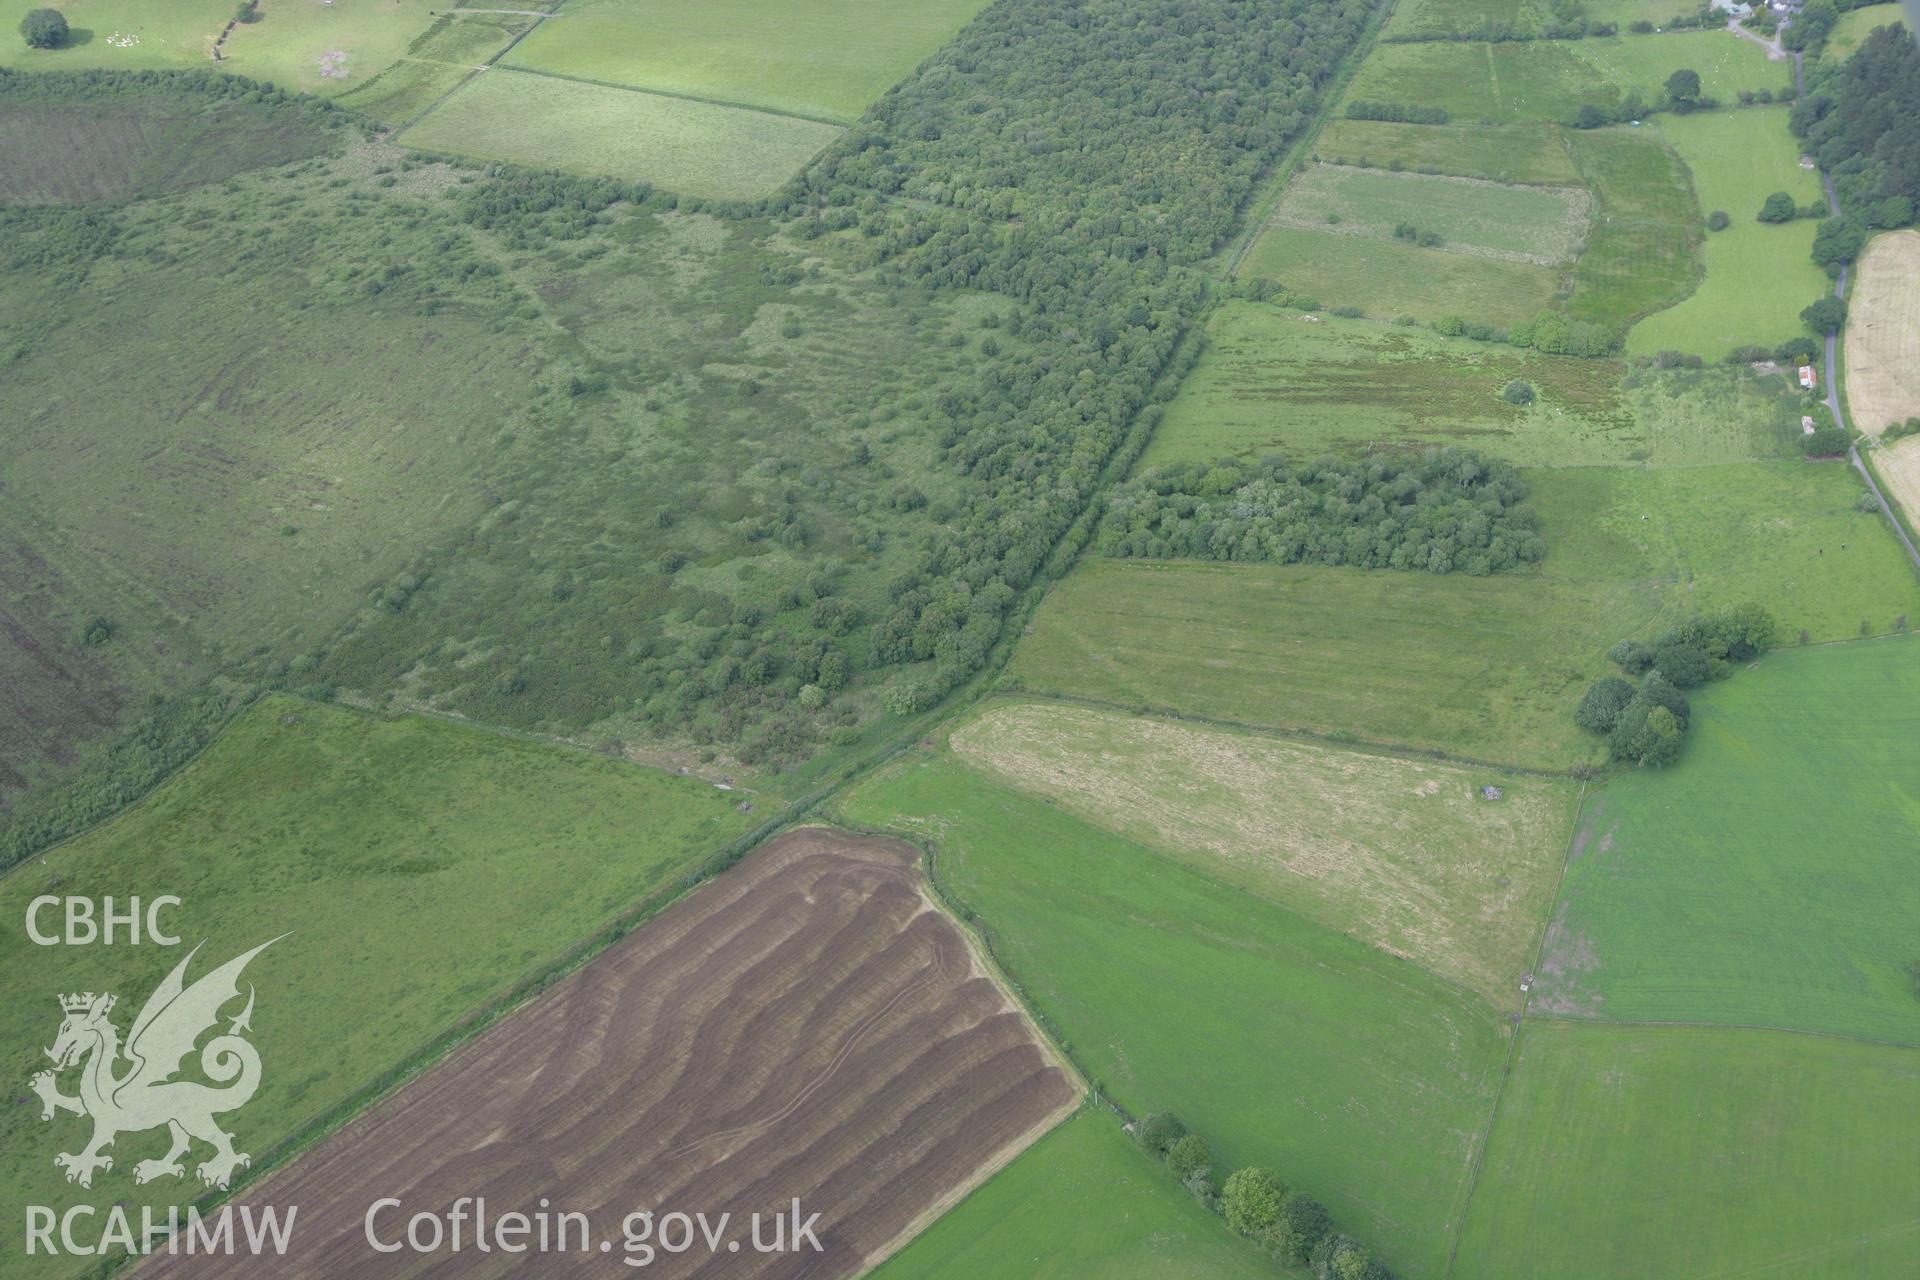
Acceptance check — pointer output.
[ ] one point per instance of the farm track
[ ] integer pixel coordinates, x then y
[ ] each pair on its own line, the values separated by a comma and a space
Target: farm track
809, 1020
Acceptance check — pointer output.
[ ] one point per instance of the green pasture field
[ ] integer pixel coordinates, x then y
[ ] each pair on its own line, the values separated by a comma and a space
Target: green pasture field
286, 45
1404, 854
1769, 878
1624, 13
1387, 278
543, 121
1643, 253
165, 34
1083, 1203
1787, 535
418, 870
1269, 381
1537, 224
1484, 668
77, 149
1529, 81
1759, 275
827, 62
1727, 63
1508, 153
1355, 1076
1678, 1153
1453, 17
1856, 25
297, 44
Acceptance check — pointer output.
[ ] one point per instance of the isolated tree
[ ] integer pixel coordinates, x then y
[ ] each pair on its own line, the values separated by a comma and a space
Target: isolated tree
1589, 117
1683, 86
1719, 220
1251, 1200
44, 28
1600, 710
1518, 391
1825, 316
1779, 207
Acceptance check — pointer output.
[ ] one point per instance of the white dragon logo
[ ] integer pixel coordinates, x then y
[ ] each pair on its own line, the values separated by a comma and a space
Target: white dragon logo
146, 1095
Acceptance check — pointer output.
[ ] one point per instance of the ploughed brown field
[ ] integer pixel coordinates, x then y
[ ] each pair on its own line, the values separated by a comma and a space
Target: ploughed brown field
806, 1025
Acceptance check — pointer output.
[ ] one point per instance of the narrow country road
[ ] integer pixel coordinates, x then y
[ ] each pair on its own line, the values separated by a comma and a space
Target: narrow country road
1774, 52
1833, 359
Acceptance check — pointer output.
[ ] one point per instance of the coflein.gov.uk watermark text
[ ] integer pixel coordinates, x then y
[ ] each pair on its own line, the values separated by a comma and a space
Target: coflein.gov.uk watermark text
468, 1224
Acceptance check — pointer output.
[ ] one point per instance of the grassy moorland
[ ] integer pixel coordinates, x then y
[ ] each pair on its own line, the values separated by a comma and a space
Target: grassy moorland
728, 480
298, 384
828, 62
1767, 879
695, 147
1083, 1203
373, 845
1758, 275
1356, 1076
1404, 854
1674, 1153
63, 141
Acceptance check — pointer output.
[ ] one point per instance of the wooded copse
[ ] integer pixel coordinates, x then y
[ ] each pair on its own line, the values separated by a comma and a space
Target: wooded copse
1444, 511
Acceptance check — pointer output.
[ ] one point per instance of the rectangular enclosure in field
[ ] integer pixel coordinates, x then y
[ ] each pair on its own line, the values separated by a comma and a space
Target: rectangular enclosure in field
1503, 153
827, 59
806, 1026
1537, 224
591, 129
1386, 278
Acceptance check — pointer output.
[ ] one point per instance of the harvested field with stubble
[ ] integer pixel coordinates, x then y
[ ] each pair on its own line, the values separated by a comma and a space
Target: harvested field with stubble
1883, 334
1404, 854
1899, 468
807, 1025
